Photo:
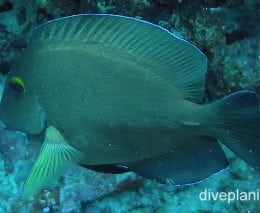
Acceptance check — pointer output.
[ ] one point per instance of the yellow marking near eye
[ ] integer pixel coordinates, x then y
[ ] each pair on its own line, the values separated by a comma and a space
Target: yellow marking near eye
17, 80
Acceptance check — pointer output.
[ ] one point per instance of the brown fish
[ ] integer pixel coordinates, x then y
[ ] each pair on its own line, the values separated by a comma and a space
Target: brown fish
118, 94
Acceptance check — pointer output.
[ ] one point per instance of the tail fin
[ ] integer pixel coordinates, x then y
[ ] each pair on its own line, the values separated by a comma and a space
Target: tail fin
239, 125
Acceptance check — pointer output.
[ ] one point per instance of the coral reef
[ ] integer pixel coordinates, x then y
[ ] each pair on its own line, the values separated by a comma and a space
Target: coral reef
227, 31
81, 190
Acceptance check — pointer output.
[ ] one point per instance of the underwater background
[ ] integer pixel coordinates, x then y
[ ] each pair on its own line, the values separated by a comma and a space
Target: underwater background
227, 31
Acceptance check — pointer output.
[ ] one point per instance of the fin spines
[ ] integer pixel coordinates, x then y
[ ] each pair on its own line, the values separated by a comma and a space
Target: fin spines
114, 32
166, 57
159, 49
148, 44
130, 40
94, 31
55, 156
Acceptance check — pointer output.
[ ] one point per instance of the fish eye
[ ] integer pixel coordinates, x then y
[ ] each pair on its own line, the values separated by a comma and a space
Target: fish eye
16, 85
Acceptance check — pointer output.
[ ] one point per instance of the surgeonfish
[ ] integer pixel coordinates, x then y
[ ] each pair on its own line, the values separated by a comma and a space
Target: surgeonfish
118, 94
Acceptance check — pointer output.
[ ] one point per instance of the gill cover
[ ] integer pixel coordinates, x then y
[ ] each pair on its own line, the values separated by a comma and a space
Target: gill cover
19, 109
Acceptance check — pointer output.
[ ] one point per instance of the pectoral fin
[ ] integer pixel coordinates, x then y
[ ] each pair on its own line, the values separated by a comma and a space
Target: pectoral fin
55, 156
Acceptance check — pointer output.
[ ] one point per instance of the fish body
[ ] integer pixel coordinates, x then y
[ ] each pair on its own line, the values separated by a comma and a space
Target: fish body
103, 97
111, 90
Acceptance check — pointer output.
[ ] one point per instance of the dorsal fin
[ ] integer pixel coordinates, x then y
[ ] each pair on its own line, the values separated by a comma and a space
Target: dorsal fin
150, 45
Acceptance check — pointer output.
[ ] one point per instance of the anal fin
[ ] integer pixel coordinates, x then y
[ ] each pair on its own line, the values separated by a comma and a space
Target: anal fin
188, 164
55, 156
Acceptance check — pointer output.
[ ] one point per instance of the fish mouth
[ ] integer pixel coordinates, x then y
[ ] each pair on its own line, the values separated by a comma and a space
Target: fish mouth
2, 83
2, 125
